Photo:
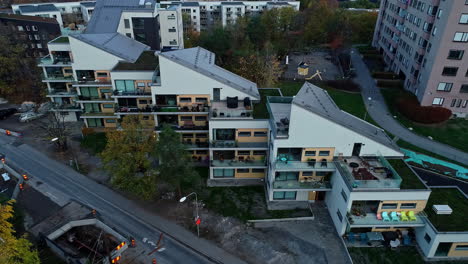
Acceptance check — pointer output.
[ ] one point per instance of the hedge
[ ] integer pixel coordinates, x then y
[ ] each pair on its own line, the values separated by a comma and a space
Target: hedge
390, 83
411, 109
385, 75
346, 85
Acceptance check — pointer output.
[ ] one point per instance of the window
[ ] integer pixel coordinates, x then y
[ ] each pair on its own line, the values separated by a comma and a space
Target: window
126, 23
343, 194
461, 37
461, 247
201, 100
201, 135
259, 152
111, 121
445, 87
450, 71
258, 170
260, 134
39, 45
27, 28
202, 152
34, 28
389, 206
200, 118
455, 54
284, 195
69, 71
310, 153
339, 216
427, 238
172, 29
185, 118
465, 104
439, 13
138, 23
307, 173
125, 85
464, 88
324, 153
185, 99
438, 101
434, 31
287, 176
20, 28
452, 104
101, 74
243, 170
223, 173
464, 19
408, 206
107, 105
243, 152
244, 134
171, 17
128, 35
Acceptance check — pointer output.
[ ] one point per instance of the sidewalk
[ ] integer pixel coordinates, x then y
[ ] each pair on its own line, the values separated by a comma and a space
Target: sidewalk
379, 112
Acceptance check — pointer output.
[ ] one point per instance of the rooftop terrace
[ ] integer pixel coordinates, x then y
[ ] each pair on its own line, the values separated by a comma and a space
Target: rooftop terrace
147, 61
60, 40
409, 179
457, 221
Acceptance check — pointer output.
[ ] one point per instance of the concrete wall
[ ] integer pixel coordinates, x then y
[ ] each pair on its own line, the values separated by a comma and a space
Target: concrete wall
166, 23
85, 57
335, 202
429, 248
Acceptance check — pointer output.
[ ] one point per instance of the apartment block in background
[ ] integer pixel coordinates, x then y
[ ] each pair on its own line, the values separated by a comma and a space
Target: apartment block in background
33, 32
202, 15
425, 42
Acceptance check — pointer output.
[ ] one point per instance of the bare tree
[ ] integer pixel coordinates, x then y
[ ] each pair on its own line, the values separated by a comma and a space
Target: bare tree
57, 130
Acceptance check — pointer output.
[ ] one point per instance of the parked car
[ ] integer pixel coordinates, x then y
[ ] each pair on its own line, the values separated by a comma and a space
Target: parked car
29, 116
5, 113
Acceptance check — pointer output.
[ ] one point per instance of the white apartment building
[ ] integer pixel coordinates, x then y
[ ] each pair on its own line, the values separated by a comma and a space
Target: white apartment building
204, 14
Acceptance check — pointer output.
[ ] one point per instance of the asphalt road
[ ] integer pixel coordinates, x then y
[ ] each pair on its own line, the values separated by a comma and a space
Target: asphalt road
435, 179
62, 183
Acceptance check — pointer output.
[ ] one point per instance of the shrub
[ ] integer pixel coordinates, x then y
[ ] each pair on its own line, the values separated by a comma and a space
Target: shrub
411, 109
346, 85
385, 75
372, 56
390, 83
87, 130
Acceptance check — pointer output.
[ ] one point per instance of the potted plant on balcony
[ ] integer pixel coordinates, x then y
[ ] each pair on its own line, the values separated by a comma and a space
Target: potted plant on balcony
215, 112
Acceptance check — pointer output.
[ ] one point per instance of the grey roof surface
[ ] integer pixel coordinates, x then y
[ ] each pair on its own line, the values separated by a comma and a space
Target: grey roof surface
106, 16
203, 61
88, 4
277, 3
37, 8
317, 100
187, 3
232, 3
115, 43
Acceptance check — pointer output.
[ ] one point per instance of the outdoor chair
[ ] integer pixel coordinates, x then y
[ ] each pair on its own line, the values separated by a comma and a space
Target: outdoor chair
403, 216
363, 237
379, 216
394, 217
411, 216
385, 216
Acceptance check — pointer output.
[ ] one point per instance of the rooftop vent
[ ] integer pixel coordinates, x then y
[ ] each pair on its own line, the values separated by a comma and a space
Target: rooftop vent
442, 209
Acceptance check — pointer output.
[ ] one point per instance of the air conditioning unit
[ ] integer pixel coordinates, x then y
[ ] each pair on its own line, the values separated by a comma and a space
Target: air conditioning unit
442, 209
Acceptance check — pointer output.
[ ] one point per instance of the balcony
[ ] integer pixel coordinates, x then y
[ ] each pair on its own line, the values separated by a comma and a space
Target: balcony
61, 93
47, 61
236, 144
238, 164
65, 107
183, 128
57, 78
301, 166
133, 94
293, 184
369, 173
92, 83
231, 110
279, 109
370, 220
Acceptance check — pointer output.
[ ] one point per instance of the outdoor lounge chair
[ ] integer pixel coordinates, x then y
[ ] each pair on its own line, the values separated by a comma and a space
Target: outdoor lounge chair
411, 216
403, 216
385, 216
394, 216
379, 216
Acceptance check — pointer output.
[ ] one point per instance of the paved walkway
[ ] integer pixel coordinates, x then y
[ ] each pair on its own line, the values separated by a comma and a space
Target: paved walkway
379, 112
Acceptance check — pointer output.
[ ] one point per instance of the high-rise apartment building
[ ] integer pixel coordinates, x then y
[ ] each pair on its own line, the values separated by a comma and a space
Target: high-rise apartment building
425, 42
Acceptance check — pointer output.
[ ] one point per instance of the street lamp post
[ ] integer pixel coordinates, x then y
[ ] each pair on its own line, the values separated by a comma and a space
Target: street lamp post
73, 154
196, 208
370, 104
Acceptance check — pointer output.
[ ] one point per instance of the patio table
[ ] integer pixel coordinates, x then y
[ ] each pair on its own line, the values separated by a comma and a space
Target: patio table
375, 236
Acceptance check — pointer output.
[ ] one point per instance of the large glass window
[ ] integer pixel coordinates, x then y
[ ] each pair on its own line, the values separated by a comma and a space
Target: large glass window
455, 54
95, 122
284, 195
138, 23
223, 173
125, 85
389, 206
287, 176
92, 108
450, 71
225, 134
445, 87
90, 92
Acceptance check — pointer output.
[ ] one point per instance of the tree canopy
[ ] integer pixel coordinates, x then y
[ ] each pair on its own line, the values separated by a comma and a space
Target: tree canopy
14, 250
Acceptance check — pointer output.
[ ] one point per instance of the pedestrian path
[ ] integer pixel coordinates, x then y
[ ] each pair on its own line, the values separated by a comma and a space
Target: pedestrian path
378, 110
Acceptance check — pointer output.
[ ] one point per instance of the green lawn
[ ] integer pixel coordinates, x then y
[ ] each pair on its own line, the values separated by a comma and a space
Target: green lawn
456, 221
402, 255
409, 179
95, 142
454, 132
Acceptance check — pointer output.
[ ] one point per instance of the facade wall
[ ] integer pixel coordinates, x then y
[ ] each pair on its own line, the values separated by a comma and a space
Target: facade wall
85, 57
429, 247
336, 203
169, 21
420, 205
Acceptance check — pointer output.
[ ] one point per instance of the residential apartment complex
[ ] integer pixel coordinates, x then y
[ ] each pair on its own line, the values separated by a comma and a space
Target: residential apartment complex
32, 32
204, 14
57, 10
424, 41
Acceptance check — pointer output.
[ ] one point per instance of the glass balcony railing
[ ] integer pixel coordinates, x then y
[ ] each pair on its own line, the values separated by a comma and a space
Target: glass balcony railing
235, 163
51, 77
294, 184
66, 107
370, 220
299, 165
236, 144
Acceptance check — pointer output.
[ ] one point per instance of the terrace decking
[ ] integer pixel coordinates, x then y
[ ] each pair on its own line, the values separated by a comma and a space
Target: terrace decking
370, 220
